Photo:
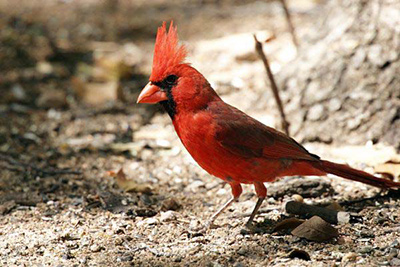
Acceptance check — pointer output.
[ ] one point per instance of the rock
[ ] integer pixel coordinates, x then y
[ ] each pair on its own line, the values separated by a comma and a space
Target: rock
395, 262
298, 198
147, 222
125, 258
168, 216
95, 248
395, 244
170, 204
334, 104
349, 257
365, 250
242, 251
315, 229
44, 67
17, 93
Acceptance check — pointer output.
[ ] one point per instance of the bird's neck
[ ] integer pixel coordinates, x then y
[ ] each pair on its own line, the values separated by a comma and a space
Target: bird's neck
170, 107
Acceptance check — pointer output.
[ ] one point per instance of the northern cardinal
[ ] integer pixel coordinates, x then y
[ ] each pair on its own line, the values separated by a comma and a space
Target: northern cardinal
223, 140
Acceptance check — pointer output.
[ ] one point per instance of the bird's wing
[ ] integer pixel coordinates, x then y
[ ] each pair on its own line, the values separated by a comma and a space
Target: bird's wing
246, 137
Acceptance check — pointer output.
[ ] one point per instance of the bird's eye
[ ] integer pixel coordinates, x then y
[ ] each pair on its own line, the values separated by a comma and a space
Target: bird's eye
171, 79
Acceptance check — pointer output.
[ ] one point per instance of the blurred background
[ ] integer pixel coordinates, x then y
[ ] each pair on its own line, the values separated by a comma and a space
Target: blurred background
70, 73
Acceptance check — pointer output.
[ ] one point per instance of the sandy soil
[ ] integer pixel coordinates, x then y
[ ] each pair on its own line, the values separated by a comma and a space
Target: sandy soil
52, 217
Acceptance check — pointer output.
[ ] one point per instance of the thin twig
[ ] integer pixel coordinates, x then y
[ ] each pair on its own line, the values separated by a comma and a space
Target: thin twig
290, 24
28, 166
260, 52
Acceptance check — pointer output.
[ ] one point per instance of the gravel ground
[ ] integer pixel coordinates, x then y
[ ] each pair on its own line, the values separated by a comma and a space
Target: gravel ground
143, 216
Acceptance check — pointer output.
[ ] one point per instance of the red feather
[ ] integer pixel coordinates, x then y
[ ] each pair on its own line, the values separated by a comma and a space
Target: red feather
167, 52
225, 141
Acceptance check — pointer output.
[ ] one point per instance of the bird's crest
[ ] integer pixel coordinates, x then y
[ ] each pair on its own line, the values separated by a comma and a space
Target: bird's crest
167, 51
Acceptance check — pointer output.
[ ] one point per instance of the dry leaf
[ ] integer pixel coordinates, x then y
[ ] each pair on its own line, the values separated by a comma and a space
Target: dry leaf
390, 169
129, 185
287, 224
335, 206
315, 229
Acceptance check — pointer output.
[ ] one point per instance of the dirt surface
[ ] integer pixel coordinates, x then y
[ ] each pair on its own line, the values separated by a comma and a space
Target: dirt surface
62, 202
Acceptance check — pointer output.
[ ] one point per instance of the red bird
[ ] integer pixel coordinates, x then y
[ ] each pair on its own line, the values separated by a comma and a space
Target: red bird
223, 140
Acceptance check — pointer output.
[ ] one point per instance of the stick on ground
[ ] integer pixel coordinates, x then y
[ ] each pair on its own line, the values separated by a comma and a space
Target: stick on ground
289, 22
260, 52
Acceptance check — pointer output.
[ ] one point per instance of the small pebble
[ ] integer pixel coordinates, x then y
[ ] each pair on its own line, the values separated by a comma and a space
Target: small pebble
349, 257
395, 244
170, 204
298, 198
367, 234
242, 251
395, 262
391, 253
148, 221
95, 248
84, 260
126, 258
168, 216
365, 250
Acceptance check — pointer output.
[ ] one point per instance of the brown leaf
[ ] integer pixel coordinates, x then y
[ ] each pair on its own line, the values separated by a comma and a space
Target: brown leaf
315, 229
335, 206
287, 224
390, 169
129, 185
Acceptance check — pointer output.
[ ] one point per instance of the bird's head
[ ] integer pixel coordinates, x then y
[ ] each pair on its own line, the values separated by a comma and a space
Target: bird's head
174, 83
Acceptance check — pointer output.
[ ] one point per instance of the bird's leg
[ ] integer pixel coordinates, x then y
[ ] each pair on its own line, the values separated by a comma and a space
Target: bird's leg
261, 192
236, 192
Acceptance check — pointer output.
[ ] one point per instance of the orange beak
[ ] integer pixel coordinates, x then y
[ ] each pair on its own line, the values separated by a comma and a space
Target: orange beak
151, 94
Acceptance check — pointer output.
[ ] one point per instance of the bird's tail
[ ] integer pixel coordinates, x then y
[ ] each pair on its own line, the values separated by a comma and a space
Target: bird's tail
347, 172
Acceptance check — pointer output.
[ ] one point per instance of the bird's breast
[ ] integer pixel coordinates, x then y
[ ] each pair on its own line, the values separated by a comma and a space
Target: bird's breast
197, 133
